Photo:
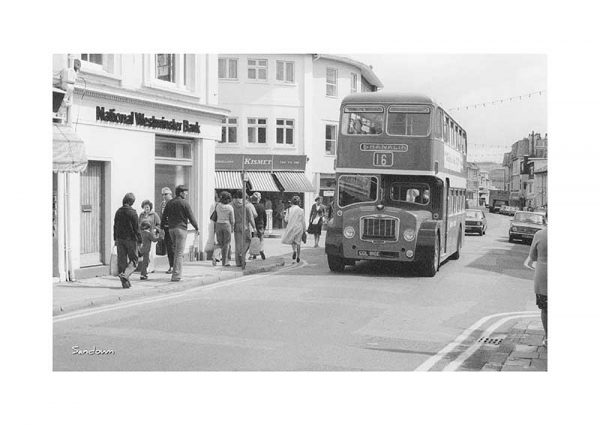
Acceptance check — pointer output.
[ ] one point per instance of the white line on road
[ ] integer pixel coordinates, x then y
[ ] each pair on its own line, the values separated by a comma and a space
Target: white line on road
127, 304
456, 363
430, 362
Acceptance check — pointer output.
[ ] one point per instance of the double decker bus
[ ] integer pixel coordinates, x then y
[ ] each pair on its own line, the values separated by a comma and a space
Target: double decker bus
401, 183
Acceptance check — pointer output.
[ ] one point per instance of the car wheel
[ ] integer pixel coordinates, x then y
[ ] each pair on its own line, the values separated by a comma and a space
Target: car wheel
336, 264
510, 239
431, 262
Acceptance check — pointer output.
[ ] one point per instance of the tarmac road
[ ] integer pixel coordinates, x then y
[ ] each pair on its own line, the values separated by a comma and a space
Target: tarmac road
374, 316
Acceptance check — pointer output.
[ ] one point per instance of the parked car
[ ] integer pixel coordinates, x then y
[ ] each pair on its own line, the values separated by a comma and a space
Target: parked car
476, 222
512, 210
503, 210
525, 224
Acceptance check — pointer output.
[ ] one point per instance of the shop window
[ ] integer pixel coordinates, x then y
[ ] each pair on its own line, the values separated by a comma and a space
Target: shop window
228, 68
257, 69
330, 139
229, 130
257, 130
331, 83
285, 71
173, 167
285, 132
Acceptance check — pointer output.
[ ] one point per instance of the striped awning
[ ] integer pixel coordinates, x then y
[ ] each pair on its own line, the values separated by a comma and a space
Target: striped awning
262, 181
294, 182
68, 150
228, 180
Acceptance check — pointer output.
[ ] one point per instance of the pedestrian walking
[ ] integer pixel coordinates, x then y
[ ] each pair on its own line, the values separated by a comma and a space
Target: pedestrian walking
242, 231
127, 239
315, 219
224, 226
176, 216
295, 229
154, 219
538, 261
149, 237
260, 221
211, 248
167, 195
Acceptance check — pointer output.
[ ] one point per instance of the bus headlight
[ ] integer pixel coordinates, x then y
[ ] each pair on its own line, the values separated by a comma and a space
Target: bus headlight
349, 232
409, 235
410, 253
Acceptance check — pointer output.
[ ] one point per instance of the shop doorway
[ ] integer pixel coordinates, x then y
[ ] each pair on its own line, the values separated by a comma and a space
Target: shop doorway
92, 215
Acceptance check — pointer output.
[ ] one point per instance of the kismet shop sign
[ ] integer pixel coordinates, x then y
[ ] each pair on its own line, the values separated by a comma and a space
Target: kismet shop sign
227, 162
140, 119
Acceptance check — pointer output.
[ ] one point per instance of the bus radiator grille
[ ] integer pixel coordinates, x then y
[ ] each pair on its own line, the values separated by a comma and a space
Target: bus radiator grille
379, 228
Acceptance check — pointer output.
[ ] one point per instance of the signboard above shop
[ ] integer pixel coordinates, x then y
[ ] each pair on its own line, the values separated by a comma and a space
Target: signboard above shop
142, 120
270, 163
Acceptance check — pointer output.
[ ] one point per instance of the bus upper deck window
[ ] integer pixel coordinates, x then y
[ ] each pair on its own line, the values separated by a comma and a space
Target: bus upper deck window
413, 120
362, 120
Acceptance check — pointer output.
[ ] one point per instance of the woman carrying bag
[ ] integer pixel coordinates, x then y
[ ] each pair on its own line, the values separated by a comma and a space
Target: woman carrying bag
316, 220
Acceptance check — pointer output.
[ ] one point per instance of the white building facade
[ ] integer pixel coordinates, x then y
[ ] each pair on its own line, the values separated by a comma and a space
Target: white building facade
284, 121
146, 121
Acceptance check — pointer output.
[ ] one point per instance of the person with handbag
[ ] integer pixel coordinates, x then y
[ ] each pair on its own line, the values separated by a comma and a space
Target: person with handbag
178, 212
167, 195
154, 220
295, 231
316, 220
224, 218
242, 231
260, 221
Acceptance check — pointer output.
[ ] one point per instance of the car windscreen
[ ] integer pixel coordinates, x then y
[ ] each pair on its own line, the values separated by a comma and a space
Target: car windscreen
529, 218
474, 214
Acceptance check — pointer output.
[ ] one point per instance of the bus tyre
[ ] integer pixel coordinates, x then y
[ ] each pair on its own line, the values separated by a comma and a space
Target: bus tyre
336, 264
431, 262
456, 254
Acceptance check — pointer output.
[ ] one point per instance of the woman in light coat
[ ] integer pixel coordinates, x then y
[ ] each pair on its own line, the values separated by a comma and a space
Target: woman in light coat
296, 226
149, 215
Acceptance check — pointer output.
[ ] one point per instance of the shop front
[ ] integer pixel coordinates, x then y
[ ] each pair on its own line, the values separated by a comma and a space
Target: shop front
137, 146
277, 177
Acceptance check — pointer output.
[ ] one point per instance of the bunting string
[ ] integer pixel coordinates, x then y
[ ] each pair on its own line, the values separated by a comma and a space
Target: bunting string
498, 101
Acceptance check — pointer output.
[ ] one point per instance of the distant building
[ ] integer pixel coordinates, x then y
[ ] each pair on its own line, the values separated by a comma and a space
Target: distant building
484, 187
472, 185
526, 155
497, 180
541, 186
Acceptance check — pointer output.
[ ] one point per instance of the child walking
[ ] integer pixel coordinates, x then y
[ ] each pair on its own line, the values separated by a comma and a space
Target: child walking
149, 235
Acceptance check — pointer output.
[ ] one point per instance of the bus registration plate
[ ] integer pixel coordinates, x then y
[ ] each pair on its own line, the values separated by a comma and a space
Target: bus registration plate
365, 253
383, 159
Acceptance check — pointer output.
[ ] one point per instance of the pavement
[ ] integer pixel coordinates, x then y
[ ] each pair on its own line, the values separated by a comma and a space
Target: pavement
521, 350
105, 290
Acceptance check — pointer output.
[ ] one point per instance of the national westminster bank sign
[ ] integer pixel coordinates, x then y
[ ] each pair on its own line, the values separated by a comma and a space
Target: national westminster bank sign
140, 119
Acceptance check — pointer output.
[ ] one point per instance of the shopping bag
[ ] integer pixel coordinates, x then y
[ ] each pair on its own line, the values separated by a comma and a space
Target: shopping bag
213, 216
304, 237
114, 262
161, 247
254, 246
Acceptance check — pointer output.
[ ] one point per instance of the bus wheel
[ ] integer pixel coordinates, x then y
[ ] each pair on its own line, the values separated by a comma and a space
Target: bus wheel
431, 262
336, 264
456, 255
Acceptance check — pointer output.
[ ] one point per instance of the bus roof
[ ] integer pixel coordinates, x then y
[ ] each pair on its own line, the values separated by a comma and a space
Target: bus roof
388, 97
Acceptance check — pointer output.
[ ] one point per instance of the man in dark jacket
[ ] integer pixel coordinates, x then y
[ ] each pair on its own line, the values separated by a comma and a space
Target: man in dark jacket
127, 239
176, 215
260, 221
167, 196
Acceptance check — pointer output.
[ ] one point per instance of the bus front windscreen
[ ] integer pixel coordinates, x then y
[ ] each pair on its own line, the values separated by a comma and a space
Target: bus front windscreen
362, 120
355, 189
411, 120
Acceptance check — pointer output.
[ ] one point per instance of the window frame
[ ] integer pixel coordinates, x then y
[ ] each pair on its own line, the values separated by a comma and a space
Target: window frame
226, 124
353, 82
333, 140
185, 74
256, 126
421, 187
377, 190
284, 65
285, 126
333, 85
257, 69
228, 61
388, 111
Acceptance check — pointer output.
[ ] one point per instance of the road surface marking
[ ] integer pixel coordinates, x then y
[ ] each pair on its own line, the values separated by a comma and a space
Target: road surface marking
126, 304
430, 362
456, 363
